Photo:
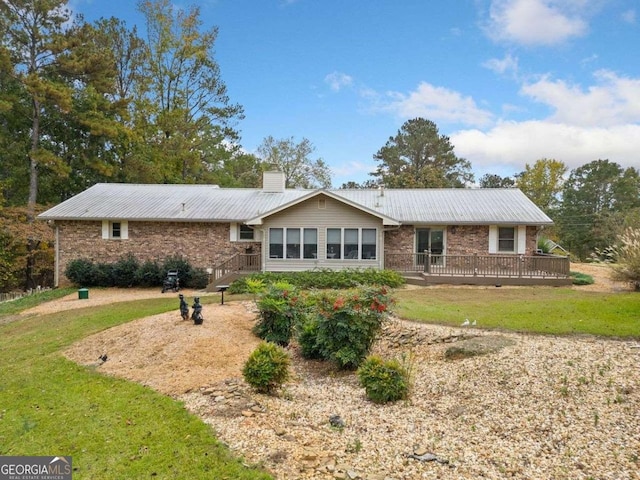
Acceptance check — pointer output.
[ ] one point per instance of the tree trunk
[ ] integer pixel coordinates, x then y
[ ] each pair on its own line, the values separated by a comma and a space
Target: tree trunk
33, 162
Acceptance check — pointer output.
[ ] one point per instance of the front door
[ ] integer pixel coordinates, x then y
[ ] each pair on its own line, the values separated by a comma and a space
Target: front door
430, 240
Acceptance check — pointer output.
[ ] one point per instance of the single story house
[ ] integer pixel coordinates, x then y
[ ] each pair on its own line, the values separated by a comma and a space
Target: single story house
424, 231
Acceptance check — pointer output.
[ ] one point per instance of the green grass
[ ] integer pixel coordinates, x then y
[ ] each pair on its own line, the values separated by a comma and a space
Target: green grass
538, 310
112, 428
14, 306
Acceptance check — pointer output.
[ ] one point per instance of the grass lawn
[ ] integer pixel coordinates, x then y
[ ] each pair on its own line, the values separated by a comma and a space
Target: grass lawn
112, 428
538, 310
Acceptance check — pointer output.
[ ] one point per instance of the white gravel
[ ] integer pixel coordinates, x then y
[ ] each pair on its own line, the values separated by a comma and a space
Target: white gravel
545, 408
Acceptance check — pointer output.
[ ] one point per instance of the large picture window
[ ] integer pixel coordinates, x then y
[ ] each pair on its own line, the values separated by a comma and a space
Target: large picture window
352, 243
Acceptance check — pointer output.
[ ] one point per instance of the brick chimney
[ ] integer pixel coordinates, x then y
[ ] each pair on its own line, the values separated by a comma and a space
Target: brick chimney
273, 181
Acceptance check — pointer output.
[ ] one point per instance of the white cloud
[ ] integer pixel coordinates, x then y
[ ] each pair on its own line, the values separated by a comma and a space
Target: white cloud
435, 103
629, 17
514, 144
338, 80
536, 22
506, 65
613, 100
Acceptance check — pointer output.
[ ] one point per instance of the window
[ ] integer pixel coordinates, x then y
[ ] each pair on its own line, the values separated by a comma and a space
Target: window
506, 239
246, 232
369, 243
334, 242
118, 230
293, 243
276, 237
351, 243
310, 248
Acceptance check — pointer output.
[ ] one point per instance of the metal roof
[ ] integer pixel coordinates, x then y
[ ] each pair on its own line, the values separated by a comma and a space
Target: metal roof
114, 201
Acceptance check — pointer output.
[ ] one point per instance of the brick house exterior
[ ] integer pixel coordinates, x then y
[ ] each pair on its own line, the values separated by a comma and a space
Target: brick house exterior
288, 229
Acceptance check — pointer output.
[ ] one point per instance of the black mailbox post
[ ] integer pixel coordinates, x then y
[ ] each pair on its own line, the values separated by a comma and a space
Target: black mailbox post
222, 289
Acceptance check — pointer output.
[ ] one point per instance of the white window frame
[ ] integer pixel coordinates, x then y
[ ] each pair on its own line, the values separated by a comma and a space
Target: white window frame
519, 240
244, 228
108, 230
342, 242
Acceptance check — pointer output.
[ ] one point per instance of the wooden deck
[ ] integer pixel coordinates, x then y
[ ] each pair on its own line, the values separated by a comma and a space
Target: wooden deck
425, 268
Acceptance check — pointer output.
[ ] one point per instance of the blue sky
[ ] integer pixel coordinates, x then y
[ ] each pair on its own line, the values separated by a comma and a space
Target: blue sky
509, 81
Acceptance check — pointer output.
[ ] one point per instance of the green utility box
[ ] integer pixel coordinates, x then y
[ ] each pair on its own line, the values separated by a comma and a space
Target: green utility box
83, 294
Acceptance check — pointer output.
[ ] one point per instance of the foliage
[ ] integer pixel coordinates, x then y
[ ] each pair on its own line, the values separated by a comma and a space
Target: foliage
489, 180
267, 368
578, 278
419, 157
35, 374
149, 274
628, 267
542, 182
280, 308
307, 337
348, 323
125, 271
383, 380
128, 272
323, 279
294, 160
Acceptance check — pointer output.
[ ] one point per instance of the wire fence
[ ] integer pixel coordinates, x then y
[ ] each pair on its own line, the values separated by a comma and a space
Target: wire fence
8, 296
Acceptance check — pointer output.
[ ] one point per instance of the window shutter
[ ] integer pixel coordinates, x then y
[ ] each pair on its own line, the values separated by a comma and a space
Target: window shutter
105, 229
233, 232
522, 239
124, 230
493, 239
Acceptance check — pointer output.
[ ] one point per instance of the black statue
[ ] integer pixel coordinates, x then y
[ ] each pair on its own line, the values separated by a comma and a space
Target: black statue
196, 316
184, 308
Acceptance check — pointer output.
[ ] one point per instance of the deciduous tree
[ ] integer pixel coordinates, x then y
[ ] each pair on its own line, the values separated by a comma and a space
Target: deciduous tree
542, 182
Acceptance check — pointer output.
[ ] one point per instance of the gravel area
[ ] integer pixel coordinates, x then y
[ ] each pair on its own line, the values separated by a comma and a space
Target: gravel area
544, 407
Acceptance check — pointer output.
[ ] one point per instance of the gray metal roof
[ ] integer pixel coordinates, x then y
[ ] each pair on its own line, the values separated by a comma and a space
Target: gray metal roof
112, 201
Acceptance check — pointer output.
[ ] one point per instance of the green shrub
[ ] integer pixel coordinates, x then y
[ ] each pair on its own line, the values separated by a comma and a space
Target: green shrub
124, 271
280, 308
578, 278
383, 381
267, 368
348, 324
199, 279
80, 272
307, 337
102, 275
324, 279
149, 274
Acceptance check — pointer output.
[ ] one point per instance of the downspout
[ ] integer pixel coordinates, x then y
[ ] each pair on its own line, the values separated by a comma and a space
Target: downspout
56, 275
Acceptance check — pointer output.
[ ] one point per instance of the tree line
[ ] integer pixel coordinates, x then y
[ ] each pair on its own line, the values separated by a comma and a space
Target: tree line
82, 103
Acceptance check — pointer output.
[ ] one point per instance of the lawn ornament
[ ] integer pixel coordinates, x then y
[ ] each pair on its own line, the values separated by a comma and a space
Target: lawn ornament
196, 316
184, 308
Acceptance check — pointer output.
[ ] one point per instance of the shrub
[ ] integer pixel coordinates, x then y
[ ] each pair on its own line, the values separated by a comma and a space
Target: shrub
280, 308
199, 279
80, 272
324, 279
124, 271
628, 267
102, 275
348, 324
149, 274
267, 368
578, 278
307, 337
383, 381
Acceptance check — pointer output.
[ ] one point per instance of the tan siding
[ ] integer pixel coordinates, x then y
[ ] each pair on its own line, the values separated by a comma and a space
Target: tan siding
307, 214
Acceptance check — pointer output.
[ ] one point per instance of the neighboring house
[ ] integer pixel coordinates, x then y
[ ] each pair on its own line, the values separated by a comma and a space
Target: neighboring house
290, 229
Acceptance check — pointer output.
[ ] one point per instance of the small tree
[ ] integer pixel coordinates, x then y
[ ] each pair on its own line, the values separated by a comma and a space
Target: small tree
628, 266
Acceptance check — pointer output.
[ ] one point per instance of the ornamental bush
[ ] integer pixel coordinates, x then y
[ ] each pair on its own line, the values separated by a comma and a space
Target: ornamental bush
628, 267
267, 368
348, 324
383, 381
124, 271
307, 337
280, 308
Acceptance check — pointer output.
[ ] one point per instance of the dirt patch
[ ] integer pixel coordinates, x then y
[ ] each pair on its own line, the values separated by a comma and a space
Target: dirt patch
172, 355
